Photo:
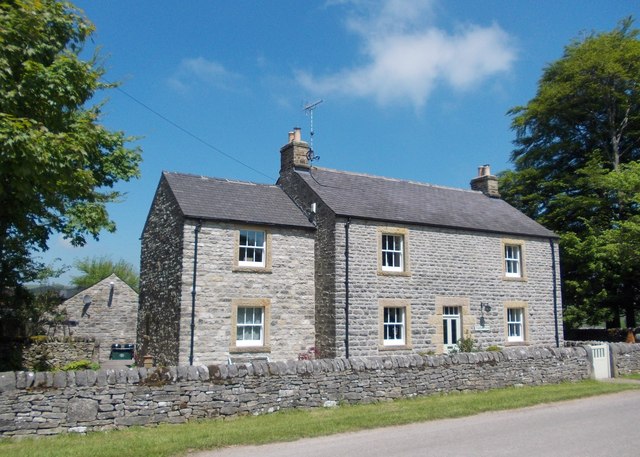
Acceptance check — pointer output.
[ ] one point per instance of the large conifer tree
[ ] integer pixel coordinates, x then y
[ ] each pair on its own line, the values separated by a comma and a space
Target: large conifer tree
577, 171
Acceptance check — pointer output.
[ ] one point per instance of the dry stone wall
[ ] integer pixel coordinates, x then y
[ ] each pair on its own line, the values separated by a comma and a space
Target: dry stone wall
626, 358
48, 403
50, 353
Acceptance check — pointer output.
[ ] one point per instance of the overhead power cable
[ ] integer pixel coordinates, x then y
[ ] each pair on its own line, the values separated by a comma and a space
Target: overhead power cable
187, 132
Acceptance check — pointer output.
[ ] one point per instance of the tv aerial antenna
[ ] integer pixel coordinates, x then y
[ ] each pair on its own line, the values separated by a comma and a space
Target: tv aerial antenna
309, 108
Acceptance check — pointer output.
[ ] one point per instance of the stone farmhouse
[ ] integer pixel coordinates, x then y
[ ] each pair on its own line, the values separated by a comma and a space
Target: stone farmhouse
337, 264
226, 270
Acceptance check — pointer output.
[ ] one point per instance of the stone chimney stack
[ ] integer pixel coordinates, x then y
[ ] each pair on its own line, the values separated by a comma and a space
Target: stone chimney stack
294, 154
485, 182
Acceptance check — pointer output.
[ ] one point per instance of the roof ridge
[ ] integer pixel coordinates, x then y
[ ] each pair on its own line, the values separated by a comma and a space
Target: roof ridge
386, 178
215, 178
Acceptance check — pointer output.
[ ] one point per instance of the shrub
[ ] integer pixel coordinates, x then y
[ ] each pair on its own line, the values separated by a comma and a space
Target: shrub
80, 365
467, 344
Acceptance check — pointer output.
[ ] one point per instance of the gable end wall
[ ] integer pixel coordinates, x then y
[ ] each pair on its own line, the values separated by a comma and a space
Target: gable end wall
110, 317
160, 279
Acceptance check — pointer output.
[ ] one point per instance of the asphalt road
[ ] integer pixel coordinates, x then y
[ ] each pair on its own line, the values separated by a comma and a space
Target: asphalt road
594, 427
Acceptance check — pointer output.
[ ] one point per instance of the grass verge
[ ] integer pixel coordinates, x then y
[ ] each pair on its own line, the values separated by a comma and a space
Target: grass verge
174, 440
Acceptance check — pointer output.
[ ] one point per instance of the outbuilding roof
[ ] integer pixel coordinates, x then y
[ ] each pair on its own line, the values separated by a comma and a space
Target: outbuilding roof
202, 197
406, 202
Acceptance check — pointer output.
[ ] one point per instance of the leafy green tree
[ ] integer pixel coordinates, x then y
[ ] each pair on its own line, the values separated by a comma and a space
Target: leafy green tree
58, 165
26, 313
576, 171
96, 269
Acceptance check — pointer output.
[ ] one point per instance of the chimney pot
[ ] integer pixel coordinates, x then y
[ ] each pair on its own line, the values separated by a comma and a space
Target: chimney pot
294, 154
485, 182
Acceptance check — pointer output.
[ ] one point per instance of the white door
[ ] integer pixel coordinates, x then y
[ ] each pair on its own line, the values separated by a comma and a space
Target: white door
451, 327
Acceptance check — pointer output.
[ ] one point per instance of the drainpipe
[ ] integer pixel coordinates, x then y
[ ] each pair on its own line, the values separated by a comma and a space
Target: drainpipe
196, 230
554, 275
346, 287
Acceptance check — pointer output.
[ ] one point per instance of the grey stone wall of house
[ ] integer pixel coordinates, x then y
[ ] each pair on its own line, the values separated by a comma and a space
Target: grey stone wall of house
160, 279
286, 287
48, 403
449, 267
108, 316
325, 259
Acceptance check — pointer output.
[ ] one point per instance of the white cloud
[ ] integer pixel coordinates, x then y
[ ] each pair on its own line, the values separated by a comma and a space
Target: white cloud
193, 71
389, 16
406, 57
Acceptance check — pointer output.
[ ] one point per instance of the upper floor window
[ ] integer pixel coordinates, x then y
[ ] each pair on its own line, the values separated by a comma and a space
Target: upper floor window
513, 260
392, 252
251, 248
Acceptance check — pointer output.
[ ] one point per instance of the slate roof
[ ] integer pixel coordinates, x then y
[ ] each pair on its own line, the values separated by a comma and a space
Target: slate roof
201, 197
384, 199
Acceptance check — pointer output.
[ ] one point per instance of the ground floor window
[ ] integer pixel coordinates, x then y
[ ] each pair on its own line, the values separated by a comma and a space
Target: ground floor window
515, 324
250, 324
451, 327
394, 326
395, 323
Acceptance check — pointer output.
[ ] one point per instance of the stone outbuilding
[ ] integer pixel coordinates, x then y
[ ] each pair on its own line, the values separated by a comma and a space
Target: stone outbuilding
334, 263
106, 312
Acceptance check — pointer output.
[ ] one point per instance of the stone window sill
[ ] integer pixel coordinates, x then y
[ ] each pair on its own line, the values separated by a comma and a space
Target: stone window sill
249, 349
402, 347
394, 273
251, 270
510, 344
515, 278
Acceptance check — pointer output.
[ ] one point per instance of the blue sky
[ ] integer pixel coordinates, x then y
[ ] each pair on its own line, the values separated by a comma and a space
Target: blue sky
411, 89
